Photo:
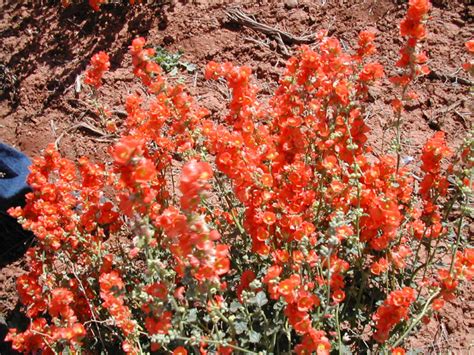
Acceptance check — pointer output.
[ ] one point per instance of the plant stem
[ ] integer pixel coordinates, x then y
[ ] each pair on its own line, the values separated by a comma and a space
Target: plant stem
230, 206
399, 119
361, 289
456, 246
338, 327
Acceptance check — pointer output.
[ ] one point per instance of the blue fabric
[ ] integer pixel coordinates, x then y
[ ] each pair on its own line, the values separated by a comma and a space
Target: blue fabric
13, 173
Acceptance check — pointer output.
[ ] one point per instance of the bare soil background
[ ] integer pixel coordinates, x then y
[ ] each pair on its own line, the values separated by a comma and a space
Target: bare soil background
43, 48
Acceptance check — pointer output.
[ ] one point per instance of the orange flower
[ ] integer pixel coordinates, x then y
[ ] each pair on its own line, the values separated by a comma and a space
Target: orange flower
98, 66
470, 46
418, 8
371, 71
95, 4
398, 351
247, 277
338, 296
180, 351
144, 171
379, 266
222, 266
366, 46
157, 289
438, 304
123, 151
267, 180
269, 218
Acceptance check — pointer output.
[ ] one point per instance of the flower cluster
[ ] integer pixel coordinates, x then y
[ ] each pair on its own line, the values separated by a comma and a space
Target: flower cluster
469, 66
464, 264
366, 43
144, 68
413, 27
393, 310
98, 66
192, 243
64, 327
433, 187
193, 180
110, 284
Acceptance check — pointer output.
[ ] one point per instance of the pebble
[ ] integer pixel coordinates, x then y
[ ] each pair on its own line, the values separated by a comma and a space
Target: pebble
291, 3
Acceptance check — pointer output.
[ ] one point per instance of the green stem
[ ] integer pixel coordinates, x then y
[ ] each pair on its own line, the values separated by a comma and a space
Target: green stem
416, 257
229, 205
338, 328
226, 320
456, 246
329, 274
399, 121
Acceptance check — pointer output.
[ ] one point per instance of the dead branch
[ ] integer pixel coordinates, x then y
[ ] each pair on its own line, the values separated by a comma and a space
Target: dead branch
434, 75
236, 15
105, 138
89, 128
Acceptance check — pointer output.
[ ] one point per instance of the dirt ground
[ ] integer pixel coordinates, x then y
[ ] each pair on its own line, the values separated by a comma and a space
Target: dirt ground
43, 49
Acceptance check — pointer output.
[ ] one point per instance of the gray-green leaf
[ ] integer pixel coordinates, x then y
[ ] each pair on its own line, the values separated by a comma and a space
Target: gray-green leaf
254, 337
260, 299
240, 327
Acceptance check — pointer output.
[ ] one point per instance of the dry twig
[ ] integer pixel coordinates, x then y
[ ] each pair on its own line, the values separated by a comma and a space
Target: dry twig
238, 16
434, 75
87, 127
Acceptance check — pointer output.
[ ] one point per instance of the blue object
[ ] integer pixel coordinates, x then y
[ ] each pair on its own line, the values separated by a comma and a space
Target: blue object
13, 173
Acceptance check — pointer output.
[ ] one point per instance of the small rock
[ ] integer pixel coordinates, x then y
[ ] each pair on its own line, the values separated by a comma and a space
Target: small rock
291, 3
459, 21
167, 40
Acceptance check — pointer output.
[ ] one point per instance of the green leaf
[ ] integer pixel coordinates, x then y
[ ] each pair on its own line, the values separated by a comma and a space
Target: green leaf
171, 62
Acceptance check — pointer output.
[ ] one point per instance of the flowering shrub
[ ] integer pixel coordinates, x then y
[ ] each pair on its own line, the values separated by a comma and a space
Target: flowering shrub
283, 232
